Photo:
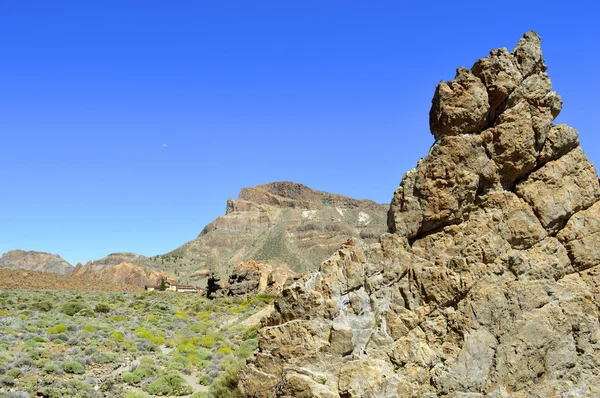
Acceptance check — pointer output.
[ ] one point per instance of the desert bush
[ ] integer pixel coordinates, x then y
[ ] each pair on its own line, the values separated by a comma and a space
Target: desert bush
246, 348
43, 306
204, 380
57, 329
7, 381
208, 341
50, 367
225, 385
73, 367
225, 350
14, 372
140, 373
102, 308
169, 384
89, 328
73, 307
117, 336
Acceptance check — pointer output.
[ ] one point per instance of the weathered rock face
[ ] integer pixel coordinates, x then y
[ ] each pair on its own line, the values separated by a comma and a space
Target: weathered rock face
120, 258
281, 223
35, 261
124, 274
249, 279
488, 284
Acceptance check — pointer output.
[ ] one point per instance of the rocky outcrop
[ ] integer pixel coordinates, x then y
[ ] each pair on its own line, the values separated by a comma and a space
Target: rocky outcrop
35, 261
125, 274
119, 258
488, 284
281, 223
249, 279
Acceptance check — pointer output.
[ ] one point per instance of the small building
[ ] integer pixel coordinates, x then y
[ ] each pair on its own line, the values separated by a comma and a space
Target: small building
186, 289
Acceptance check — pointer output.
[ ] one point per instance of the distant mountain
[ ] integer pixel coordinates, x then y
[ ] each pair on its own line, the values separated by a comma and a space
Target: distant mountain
124, 274
119, 258
35, 280
35, 261
281, 223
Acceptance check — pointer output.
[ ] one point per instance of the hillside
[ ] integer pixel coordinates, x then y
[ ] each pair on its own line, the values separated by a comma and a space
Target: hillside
35, 280
276, 223
124, 274
35, 261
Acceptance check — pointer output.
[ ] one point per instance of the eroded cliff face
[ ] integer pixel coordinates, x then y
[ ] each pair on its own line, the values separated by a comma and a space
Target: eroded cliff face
488, 284
279, 224
124, 274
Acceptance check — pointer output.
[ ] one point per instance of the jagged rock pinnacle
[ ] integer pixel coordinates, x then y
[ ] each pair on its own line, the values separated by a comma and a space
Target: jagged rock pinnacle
488, 284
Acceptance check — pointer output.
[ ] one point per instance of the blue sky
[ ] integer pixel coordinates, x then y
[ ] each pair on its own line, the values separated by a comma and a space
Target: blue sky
331, 94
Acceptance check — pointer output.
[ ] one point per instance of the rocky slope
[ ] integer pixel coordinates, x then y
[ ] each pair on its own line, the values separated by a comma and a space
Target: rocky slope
35, 261
119, 258
35, 280
280, 223
124, 274
249, 279
488, 284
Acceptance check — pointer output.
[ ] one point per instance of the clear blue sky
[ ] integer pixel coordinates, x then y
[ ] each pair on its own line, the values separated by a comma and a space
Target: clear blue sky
334, 95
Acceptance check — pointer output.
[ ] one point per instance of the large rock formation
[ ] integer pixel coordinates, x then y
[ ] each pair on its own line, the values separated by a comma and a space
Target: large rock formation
249, 279
280, 223
35, 261
488, 284
124, 274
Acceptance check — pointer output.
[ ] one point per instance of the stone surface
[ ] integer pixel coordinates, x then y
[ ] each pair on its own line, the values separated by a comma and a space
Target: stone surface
460, 106
35, 261
488, 284
249, 279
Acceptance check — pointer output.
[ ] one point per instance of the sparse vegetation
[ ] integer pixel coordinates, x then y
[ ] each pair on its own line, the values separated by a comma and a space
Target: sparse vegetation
134, 345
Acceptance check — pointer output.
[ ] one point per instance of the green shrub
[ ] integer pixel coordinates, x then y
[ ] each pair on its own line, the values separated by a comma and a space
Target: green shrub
225, 350
117, 336
251, 333
43, 306
207, 341
246, 348
131, 378
140, 373
225, 385
181, 315
73, 367
179, 363
89, 328
14, 372
73, 307
57, 329
102, 308
204, 380
169, 384
50, 367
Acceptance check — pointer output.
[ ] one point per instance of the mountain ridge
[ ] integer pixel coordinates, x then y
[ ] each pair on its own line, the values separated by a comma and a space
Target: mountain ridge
35, 261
